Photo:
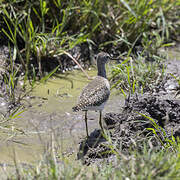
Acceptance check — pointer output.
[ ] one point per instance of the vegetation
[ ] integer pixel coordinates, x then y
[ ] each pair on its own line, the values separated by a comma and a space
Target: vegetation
137, 75
39, 31
47, 28
145, 164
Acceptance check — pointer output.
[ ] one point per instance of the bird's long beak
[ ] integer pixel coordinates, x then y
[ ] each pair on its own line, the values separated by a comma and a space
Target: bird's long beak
115, 58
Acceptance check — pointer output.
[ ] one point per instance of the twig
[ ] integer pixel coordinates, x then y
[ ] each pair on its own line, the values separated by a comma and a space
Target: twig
68, 54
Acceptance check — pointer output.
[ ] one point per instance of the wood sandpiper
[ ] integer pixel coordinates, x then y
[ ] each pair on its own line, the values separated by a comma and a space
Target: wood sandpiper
95, 95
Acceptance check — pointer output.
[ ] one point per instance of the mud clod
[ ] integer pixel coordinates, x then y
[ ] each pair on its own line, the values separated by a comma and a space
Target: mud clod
128, 129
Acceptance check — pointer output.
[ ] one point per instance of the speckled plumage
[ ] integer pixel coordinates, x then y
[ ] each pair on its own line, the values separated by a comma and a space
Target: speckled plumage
93, 95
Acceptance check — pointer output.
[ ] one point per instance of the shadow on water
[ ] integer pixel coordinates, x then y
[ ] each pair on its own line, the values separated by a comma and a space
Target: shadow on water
89, 144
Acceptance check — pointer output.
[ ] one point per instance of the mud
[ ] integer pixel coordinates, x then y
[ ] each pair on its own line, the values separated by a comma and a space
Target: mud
128, 129
132, 127
4, 54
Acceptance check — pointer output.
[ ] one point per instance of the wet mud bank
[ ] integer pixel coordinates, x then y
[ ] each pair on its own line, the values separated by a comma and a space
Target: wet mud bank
152, 118
129, 129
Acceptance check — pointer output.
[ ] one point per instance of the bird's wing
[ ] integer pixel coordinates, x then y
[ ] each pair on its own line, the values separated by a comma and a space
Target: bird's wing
94, 94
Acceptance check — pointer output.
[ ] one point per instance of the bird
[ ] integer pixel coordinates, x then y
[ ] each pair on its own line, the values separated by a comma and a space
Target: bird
95, 94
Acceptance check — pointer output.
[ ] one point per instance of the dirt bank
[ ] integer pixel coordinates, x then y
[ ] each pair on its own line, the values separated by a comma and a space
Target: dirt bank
132, 127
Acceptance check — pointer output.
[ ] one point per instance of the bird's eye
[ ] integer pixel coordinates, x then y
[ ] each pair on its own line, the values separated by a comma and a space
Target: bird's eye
95, 57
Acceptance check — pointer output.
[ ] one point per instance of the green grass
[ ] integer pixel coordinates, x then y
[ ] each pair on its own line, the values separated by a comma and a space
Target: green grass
49, 27
136, 75
147, 164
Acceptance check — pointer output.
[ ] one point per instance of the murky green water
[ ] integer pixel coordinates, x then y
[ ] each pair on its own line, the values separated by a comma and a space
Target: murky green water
49, 111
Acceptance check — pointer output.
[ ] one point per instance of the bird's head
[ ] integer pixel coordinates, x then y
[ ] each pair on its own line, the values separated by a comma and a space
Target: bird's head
102, 58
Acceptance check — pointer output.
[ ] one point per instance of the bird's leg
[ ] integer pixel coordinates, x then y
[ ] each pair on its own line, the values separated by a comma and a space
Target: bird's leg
86, 123
100, 121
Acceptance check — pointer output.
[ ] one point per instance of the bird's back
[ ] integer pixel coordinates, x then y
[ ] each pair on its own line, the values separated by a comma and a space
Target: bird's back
94, 94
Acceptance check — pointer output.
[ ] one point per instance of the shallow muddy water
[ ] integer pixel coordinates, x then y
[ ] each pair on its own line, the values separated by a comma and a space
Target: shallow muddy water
49, 111
49, 115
